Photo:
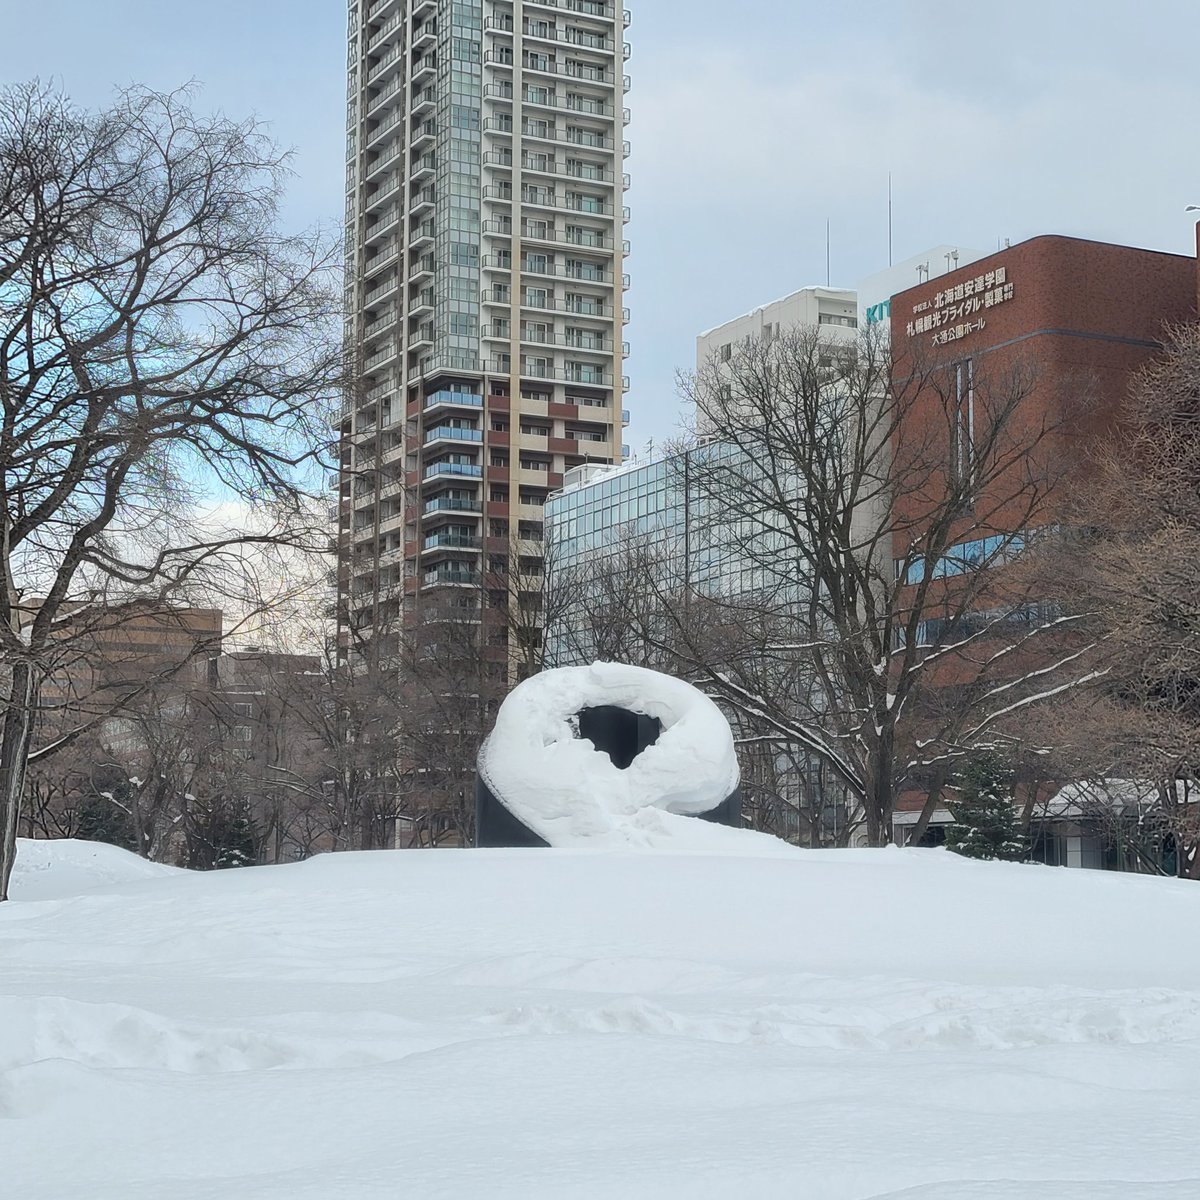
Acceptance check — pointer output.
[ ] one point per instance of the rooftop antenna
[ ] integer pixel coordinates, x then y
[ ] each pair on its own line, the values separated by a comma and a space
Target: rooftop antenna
889, 218
827, 276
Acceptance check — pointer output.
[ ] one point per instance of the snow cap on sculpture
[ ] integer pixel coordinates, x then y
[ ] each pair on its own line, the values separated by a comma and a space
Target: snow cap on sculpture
558, 785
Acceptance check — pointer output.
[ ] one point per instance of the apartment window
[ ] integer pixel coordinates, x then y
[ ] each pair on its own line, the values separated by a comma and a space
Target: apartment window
962, 449
464, 50
582, 169
579, 269
498, 495
585, 339
584, 237
499, 460
585, 373
584, 137
585, 305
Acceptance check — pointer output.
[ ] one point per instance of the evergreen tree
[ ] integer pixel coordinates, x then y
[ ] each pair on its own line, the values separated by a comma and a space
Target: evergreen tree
102, 819
221, 834
985, 816
238, 844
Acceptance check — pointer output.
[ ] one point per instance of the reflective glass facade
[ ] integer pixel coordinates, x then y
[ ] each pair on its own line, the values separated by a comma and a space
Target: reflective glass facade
672, 510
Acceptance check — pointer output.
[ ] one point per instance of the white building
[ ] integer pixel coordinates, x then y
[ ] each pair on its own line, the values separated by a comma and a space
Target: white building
876, 291
834, 309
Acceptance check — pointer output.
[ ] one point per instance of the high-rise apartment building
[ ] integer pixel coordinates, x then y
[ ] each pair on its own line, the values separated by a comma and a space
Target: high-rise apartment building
485, 213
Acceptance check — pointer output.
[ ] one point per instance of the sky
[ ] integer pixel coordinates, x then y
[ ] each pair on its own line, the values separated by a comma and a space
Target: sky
753, 126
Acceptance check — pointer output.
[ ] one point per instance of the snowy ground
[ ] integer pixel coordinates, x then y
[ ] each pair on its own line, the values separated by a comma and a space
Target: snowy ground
549, 1024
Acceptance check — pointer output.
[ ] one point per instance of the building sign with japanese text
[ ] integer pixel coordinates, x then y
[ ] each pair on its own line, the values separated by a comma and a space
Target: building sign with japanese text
958, 311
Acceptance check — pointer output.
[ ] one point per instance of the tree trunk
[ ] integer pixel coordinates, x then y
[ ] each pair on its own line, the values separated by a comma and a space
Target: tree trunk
14, 758
880, 797
928, 808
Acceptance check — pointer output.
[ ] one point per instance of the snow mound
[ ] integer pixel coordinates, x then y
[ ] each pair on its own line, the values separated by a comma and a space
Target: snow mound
53, 870
571, 794
521, 1025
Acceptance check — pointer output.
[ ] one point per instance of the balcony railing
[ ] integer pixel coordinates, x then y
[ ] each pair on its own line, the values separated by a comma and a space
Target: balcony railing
452, 504
587, 8
450, 541
471, 470
586, 239
585, 378
495, 262
444, 575
597, 312
447, 397
454, 433
389, 26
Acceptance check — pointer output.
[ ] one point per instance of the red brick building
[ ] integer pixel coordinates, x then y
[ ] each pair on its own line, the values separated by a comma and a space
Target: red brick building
1082, 316
1079, 316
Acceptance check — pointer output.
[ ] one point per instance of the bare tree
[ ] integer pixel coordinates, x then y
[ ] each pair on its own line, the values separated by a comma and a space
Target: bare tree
1130, 568
160, 340
453, 675
607, 605
870, 614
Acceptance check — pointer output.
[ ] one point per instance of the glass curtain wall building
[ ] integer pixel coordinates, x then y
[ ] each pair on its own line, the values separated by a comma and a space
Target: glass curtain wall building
484, 284
625, 543
669, 513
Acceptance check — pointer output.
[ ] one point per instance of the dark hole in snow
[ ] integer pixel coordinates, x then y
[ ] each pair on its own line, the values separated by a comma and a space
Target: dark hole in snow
617, 732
